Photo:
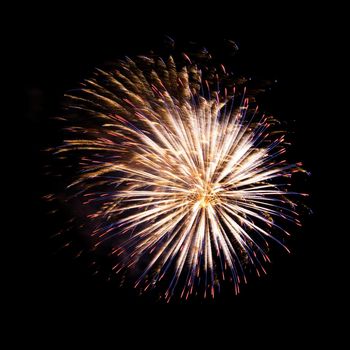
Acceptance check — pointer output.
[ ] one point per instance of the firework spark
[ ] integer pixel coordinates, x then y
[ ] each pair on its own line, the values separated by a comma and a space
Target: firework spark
185, 182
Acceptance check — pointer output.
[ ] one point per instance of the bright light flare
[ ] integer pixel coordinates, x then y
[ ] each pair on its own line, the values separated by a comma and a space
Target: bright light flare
184, 182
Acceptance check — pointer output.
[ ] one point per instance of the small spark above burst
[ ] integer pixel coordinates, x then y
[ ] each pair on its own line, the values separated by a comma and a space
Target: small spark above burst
185, 181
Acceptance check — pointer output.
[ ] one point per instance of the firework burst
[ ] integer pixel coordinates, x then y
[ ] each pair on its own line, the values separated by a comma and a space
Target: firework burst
183, 175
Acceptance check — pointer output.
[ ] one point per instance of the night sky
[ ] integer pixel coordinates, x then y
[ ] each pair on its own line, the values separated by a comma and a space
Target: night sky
59, 48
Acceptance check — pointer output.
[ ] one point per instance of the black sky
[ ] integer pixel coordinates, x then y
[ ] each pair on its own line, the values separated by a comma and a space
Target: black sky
59, 47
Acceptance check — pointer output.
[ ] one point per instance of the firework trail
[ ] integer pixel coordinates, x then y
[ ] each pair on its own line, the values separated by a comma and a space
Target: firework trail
186, 179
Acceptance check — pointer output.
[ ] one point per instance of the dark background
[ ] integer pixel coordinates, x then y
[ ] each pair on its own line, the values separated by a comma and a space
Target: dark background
58, 47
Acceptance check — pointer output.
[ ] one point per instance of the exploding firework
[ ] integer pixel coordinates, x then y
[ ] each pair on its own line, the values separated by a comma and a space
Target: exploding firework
185, 180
